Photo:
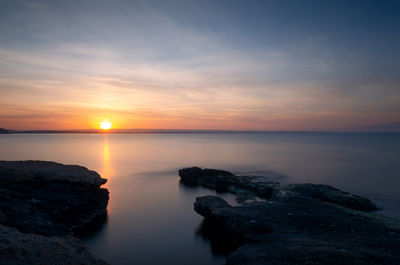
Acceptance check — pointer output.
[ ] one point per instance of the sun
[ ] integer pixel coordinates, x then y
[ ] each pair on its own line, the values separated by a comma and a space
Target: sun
105, 125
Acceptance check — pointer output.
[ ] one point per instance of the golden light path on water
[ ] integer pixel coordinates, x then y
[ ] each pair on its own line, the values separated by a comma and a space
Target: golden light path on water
106, 169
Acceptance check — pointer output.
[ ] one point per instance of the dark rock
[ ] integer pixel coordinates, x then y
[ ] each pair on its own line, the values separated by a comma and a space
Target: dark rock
330, 194
20, 249
208, 203
196, 176
30, 170
3, 131
295, 224
248, 186
49, 198
302, 230
222, 180
221, 243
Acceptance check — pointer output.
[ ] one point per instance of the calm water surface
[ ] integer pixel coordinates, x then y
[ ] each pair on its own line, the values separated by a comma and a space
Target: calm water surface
151, 218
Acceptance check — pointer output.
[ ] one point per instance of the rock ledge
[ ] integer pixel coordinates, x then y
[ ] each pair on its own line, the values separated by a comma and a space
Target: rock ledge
297, 224
45, 202
20, 249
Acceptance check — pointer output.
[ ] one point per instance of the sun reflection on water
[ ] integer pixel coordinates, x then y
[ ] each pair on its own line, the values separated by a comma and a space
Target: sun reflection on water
107, 169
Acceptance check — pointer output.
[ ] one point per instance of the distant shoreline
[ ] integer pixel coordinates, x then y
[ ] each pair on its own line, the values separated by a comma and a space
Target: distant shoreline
169, 131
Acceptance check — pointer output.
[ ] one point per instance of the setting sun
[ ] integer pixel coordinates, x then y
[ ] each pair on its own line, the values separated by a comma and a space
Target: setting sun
105, 125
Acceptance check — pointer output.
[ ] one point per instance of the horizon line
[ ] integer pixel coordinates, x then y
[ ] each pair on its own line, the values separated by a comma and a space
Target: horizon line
133, 131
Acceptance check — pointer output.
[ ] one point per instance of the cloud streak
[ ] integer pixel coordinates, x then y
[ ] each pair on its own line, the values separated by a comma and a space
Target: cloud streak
140, 65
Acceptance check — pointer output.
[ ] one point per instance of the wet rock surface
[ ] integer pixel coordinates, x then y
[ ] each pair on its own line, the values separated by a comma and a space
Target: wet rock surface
303, 224
50, 199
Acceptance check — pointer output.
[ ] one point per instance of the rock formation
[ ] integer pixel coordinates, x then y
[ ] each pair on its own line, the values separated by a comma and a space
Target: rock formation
21, 248
297, 224
50, 199
222, 180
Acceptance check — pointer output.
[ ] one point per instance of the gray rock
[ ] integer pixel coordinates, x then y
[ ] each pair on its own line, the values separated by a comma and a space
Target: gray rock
222, 180
294, 224
20, 249
330, 194
302, 230
43, 199
23, 171
248, 186
196, 176
49, 198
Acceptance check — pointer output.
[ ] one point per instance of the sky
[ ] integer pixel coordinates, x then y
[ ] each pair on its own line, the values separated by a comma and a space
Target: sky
229, 65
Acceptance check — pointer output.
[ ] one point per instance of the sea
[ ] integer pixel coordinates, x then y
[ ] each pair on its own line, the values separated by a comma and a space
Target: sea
150, 213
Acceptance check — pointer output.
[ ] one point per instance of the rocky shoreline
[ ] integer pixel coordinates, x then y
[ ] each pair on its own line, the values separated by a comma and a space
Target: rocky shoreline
41, 205
294, 224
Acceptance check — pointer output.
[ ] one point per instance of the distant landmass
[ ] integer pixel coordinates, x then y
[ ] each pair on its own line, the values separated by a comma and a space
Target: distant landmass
383, 127
120, 131
376, 128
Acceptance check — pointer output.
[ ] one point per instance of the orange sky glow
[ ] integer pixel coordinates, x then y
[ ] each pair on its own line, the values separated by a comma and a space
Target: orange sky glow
66, 67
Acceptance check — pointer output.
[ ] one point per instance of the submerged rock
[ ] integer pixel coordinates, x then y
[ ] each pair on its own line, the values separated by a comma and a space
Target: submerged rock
20, 249
301, 224
49, 198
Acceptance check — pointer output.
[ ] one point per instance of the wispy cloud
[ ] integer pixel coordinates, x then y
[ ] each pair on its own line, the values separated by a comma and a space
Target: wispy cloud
142, 66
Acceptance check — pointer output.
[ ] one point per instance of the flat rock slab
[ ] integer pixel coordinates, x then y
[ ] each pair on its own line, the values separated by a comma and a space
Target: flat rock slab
299, 224
326, 193
49, 198
22, 171
20, 249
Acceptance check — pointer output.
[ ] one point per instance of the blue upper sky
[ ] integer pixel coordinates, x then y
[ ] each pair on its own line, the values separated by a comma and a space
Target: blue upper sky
264, 65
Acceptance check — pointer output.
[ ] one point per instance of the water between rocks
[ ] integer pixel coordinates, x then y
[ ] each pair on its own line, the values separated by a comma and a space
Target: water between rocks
151, 218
